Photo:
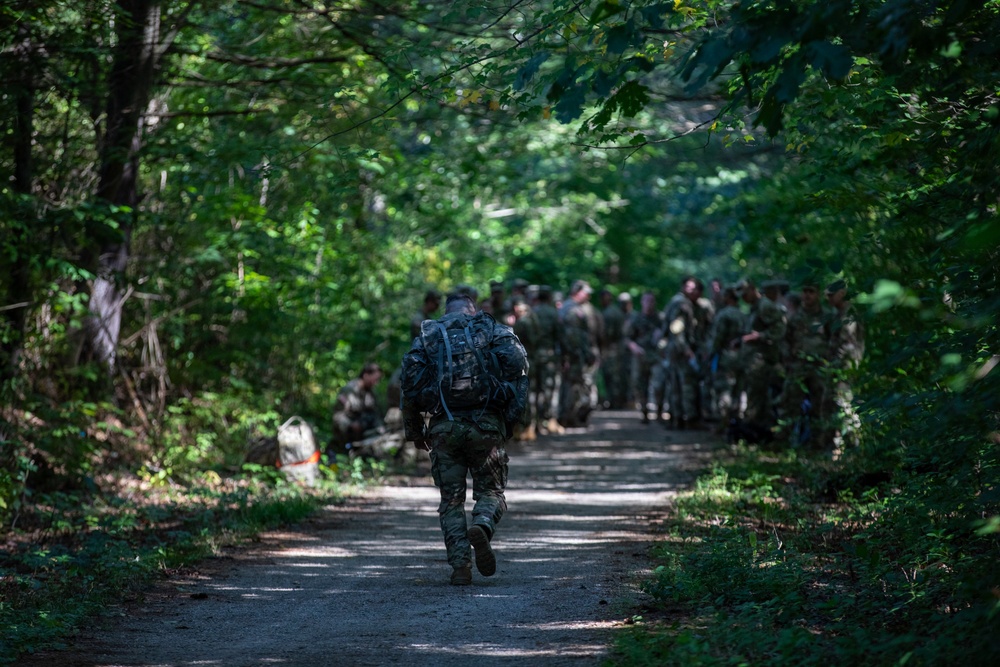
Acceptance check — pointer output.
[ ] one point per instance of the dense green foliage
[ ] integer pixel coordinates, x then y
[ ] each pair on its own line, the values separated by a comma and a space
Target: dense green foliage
213, 213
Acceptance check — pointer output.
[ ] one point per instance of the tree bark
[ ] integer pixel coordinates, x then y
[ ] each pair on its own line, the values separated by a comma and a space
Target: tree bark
135, 63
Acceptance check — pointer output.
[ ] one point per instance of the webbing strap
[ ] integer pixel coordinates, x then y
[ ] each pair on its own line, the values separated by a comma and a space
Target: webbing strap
312, 459
445, 349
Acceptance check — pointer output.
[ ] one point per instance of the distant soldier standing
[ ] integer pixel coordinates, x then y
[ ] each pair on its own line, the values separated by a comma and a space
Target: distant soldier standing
724, 355
761, 363
545, 363
806, 383
704, 316
526, 329
627, 360
642, 333
682, 352
582, 329
611, 350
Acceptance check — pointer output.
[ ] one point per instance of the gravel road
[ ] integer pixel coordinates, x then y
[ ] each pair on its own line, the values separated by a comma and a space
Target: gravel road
366, 582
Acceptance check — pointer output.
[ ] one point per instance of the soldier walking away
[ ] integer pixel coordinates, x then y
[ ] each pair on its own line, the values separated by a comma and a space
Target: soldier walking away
464, 386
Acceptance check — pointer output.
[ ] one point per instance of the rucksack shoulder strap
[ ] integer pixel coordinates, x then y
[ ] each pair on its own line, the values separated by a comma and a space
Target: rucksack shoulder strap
444, 352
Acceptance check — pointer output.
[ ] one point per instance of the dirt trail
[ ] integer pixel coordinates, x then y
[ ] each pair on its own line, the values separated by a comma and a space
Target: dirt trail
366, 583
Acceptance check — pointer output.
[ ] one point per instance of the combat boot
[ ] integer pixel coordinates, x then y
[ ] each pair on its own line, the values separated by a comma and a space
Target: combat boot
529, 434
486, 561
461, 575
555, 427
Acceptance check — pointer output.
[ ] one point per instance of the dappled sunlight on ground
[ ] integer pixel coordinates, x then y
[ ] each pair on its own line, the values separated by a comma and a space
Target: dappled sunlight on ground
366, 582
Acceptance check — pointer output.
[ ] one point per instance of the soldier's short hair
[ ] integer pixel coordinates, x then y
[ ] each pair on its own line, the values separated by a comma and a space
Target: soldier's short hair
457, 300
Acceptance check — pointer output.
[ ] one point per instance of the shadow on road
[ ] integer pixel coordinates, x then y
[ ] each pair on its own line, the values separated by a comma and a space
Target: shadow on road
366, 583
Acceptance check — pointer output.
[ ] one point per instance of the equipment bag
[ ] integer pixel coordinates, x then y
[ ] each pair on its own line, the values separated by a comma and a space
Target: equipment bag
460, 362
298, 456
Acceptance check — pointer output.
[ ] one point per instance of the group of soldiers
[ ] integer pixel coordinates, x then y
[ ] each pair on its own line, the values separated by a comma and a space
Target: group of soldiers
758, 363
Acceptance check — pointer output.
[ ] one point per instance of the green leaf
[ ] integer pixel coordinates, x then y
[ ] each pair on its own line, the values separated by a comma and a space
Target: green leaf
529, 70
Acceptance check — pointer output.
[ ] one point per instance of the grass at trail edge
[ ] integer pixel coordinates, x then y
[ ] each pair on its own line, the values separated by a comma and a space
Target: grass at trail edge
776, 558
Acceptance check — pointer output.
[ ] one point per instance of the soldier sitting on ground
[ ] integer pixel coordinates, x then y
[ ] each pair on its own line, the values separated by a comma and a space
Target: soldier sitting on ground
356, 413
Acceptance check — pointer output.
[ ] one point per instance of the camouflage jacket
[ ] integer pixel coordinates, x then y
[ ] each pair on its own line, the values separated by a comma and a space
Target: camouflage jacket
682, 327
767, 318
355, 412
808, 335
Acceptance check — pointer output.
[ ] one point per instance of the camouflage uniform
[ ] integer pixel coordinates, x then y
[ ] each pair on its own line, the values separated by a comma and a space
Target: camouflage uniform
470, 442
644, 331
582, 329
704, 316
355, 413
808, 341
611, 355
544, 366
526, 330
682, 348
724, 358
762, 370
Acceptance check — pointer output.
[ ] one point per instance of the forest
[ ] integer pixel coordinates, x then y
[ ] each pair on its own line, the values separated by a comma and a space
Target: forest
212, 214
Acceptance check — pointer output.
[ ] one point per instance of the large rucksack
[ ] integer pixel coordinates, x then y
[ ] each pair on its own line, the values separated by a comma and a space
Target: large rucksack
464, 362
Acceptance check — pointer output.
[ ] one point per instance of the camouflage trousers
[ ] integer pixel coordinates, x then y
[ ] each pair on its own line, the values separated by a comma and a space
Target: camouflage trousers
658, 388
544, 373
458, 449
683, 390
725, 387
577, 395
806, 381
642, 370
762, 380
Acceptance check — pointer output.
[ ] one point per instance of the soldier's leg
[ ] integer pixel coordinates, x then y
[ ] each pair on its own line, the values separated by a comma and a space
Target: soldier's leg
688, 379
792, 396
449, 470
489, 480
756, 385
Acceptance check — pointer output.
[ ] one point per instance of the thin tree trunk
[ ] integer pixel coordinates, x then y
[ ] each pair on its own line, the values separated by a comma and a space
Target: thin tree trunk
134, 67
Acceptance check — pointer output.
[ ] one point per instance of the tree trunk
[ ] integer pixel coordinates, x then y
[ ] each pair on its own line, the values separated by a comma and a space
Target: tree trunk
134, 67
